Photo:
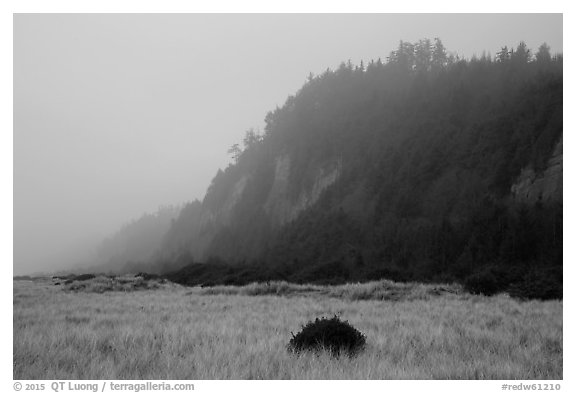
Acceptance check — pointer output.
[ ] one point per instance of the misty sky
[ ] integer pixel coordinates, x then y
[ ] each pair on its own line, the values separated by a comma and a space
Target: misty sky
115, 115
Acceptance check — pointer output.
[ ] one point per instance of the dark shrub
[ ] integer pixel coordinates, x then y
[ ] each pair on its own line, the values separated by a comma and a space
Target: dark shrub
484, 282
542, 284
67, 277
84, 277
332, 334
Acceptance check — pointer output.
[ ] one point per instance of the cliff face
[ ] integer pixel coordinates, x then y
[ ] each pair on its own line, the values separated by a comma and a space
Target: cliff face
208, 224
545, 186
222, 216
279, 206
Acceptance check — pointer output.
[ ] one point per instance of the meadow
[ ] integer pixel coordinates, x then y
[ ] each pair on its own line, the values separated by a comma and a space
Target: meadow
167, 331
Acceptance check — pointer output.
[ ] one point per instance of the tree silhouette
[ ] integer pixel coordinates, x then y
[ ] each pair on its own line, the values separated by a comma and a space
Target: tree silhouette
235, 151
543, 54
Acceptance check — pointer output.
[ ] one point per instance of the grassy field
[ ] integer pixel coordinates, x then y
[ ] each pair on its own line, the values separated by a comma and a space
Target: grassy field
413, 331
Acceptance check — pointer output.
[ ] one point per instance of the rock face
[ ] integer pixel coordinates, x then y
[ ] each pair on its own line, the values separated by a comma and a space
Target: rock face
324, 179
223, 215
279, 207
531, 187
204, 226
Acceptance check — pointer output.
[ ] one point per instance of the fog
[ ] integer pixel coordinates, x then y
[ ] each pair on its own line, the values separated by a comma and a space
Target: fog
115, 115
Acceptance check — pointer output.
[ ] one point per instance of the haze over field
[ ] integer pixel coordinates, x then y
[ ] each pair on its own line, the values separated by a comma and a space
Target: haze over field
115, 115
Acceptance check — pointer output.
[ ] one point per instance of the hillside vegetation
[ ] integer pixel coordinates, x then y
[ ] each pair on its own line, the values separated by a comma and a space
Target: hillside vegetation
423, 167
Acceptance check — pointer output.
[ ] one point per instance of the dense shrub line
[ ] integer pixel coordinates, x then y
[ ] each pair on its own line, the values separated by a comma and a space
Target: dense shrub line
534, 283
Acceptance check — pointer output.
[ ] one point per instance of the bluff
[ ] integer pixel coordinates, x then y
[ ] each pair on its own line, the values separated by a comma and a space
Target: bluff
425, 167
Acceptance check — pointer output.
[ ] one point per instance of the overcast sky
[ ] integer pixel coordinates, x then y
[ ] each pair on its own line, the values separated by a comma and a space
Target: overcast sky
115, 115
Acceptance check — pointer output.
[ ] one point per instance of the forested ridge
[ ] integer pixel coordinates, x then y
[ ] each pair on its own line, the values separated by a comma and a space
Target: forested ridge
407, 169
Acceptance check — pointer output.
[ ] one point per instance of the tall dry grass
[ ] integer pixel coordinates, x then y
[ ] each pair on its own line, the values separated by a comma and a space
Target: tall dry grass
376, 290
179, 333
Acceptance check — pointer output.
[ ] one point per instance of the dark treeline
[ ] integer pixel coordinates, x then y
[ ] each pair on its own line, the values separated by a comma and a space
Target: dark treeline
430, 151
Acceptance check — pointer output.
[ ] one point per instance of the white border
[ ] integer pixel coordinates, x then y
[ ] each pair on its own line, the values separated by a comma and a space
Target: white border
246, 6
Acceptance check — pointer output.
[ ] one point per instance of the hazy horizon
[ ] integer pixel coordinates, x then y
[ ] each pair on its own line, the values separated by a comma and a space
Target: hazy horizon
118, 114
